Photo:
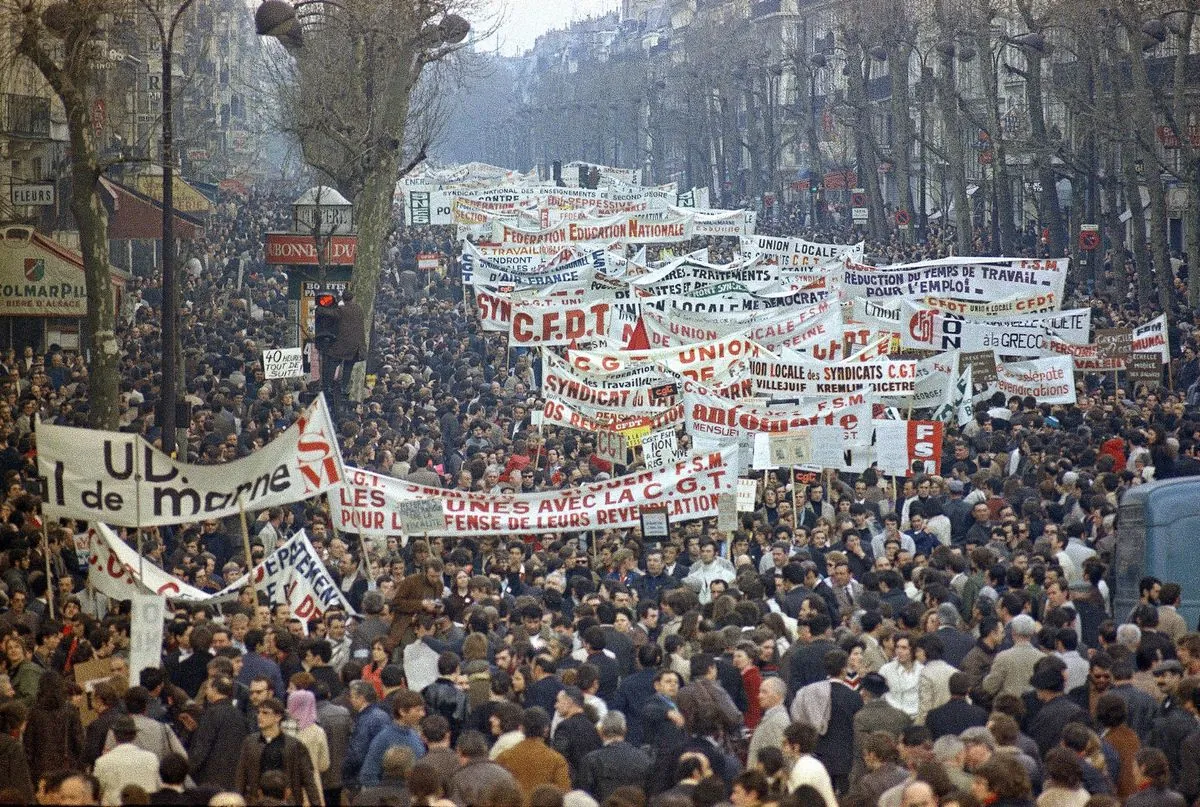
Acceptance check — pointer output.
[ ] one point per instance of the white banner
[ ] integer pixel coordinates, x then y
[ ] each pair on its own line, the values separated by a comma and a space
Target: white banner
794, 253
634, 228
115, 570
294, 575
880, 377
713, 420
817, 328
935, 378
703, 361
1012, 307
928, 329
554, 322
977, 279
1049, 380
121, 479
1152, 337
689, 489
147, 614
562, 413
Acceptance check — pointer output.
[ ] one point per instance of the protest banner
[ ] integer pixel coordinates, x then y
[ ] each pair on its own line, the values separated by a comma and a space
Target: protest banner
1088, 358
1152, 338
420, 516
1011, 307
816, 329
714, 421
122, 479
633, 228
794, 253
904, 447
689, 488
928, 329
147, 615
660, 448
560, 413
550, 322
935, 380
116, 570
703, 361
959, 407
959, 278
283, 362
294, 575
777, 378
1049, 380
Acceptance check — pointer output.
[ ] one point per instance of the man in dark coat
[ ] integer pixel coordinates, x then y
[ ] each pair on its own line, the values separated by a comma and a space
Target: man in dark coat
218, 737
955, 643
616, 764
636, 690
348, 322
1057, 709
808, 658
190, 673
844, 704
574, 737
958, 714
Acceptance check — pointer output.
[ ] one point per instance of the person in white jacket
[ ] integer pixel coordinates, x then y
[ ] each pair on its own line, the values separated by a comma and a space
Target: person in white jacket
709, 568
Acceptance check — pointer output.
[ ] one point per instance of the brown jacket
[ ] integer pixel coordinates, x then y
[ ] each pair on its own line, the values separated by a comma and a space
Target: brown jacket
406, 606
53, 740
533, 763
297, 770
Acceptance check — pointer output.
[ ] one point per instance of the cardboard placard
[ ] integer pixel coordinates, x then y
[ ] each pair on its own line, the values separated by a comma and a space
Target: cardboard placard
727, 512
655, 523
283, 362
747, 493
421, 515
1113, 343
791, 449
1144, 368
660, 448
982, 364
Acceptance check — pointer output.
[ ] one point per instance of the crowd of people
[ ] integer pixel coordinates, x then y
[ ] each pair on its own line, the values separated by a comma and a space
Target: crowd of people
946, 639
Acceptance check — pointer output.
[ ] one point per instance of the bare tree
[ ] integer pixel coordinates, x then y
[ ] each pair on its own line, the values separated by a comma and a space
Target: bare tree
60, 43
355, 83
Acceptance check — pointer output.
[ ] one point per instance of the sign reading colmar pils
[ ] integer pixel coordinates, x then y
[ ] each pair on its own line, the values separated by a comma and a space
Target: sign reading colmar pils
294, 249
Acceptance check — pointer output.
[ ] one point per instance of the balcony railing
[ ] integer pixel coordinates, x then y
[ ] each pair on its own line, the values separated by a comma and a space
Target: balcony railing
25, 116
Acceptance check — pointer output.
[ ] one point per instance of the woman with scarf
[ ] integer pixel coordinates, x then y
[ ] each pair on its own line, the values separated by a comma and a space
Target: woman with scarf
302, 710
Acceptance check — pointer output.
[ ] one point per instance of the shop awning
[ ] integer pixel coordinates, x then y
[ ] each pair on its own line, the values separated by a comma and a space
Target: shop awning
134, 215
39, 277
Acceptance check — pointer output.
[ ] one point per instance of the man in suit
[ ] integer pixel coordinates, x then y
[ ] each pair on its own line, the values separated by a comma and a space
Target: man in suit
1169, 620
218, 736
957, 714
955, 643
1013, 668
190, 673
875, 715
347, 323
844, 704
255, 664
544, 690
1057, 710
616, 764
808, 659
125, 764
337, 724
775, 718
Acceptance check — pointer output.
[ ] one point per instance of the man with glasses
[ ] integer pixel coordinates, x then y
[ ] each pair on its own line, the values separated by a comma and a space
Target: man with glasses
270, 749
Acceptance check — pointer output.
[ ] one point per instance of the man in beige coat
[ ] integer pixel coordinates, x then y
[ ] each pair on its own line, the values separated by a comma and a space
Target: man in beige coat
1013, 668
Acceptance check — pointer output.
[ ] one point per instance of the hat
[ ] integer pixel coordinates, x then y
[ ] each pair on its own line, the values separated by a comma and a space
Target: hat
602, 477
1048, 679
978, 735
955, 485
392, 675
1169, 665
1070, 478
875, 683
947, 614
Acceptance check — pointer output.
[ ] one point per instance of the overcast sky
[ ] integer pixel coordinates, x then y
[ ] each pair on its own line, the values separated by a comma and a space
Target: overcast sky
525, 20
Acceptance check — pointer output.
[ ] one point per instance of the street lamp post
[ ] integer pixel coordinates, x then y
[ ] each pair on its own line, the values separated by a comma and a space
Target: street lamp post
170, 280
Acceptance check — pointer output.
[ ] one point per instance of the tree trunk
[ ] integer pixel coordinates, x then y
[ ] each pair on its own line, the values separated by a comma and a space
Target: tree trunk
902, 128
1051, 212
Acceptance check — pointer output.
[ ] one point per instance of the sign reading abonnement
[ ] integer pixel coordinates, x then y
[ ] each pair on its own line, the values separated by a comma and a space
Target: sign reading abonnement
283, 362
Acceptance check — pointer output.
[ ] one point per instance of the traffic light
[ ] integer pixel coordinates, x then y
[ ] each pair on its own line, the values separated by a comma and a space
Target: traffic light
327, 320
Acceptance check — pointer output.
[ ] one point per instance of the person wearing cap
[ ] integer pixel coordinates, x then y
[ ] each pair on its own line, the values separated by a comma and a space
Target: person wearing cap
575, 736
1013, 668
126, 764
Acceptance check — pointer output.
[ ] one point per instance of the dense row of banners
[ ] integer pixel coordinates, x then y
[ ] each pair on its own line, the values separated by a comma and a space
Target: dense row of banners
794, 354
